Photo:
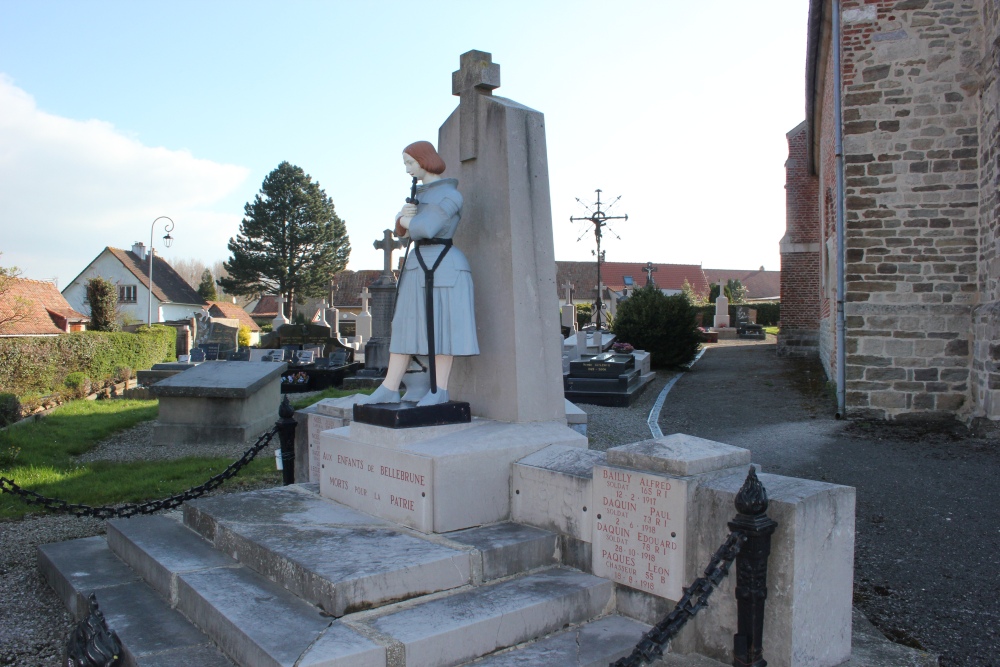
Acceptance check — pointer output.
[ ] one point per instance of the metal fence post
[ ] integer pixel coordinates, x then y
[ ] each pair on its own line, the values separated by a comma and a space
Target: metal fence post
751, 571
286, 433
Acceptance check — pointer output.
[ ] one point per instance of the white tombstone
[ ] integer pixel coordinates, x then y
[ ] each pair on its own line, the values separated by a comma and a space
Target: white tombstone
569, 316
363, 330
280, 319
721, 312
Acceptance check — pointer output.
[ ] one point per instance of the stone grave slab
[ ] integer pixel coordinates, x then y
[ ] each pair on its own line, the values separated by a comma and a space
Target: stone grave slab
218, 403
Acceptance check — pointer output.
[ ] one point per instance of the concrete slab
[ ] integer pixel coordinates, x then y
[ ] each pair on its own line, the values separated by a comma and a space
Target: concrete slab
76, 568
202, 656
159, 548
509, 548
458, 628
222, 379
343, 570
341, 646
678, 454
238, 609
594, 644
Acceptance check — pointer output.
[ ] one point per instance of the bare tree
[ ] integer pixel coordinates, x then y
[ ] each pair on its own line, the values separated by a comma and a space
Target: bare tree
13, 309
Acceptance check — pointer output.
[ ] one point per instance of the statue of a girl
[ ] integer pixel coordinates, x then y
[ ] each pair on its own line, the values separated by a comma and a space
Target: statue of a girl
431, 224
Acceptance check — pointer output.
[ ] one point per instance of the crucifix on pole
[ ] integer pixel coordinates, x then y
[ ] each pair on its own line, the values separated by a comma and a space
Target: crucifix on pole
649, 269
599, 219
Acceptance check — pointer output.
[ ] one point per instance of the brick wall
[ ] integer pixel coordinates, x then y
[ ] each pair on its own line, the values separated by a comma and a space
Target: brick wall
985, 381
800, 253
911, 124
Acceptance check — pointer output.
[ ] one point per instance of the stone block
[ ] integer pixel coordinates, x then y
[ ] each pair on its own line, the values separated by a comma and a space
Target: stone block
59, 564
551, 489
807, 619
338, 407
461, 627
678, 454
455, 478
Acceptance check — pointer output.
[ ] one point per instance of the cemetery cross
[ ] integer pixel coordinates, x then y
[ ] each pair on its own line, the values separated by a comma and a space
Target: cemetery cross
649, 269
387, 245
568, 286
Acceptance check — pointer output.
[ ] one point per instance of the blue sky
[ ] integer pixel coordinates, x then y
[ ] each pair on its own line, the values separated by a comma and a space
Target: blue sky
114, 113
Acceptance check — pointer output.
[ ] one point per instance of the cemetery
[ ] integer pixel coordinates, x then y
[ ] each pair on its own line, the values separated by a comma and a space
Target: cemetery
467, 518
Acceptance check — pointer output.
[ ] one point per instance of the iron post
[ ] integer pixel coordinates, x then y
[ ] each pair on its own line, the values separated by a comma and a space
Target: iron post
286, 433
751, 571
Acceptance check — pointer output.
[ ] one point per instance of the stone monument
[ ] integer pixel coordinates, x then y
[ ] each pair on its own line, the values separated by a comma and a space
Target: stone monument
363, 325
722, 312
383, 297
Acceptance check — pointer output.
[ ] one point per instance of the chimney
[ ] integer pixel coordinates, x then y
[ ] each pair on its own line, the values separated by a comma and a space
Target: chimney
139, 249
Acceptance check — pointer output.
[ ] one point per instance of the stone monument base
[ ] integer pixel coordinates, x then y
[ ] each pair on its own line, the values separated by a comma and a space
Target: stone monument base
409, 414
434, 479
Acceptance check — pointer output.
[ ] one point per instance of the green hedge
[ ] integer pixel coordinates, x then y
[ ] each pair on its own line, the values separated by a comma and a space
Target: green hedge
34, 365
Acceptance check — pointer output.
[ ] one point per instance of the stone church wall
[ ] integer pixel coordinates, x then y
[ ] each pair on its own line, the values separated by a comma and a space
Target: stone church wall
911, 124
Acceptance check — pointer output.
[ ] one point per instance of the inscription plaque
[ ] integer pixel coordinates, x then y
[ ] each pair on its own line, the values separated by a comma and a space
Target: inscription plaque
640, 532
380, 481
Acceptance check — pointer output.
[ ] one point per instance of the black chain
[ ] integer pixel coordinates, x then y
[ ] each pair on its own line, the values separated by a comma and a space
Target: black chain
149, 507
653, 644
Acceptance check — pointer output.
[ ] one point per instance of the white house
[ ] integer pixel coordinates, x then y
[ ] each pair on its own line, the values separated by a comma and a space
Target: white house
173, 298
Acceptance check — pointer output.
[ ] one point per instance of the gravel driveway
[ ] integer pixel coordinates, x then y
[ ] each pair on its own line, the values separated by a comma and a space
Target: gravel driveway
927, 556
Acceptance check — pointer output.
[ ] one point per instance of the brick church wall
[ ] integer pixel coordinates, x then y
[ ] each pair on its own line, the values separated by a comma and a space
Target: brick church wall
800, 253
911, 133
985, 381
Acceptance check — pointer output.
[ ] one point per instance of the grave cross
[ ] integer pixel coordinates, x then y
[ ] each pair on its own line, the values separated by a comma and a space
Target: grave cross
477, 75
568, 286
387, 245
649, 269
365, 295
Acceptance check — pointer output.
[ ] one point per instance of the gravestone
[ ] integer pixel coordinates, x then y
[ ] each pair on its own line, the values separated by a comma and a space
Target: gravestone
242, 354
363, 331
383, 299
721, 312
211, 351
197, 355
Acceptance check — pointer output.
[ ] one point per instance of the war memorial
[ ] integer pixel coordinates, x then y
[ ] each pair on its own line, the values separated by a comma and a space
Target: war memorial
464, 521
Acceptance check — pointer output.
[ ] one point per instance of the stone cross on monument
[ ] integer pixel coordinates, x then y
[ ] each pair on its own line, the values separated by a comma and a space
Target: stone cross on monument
649, 269
365, 295
387, 244
568, 286
478, 75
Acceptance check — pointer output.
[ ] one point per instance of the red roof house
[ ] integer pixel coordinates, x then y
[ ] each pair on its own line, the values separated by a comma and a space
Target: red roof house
36, 308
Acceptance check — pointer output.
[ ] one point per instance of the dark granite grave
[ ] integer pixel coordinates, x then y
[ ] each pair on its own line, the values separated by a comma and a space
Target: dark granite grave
604, 379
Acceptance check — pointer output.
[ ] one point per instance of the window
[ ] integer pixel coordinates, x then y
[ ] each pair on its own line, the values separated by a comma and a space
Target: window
127, 293
628, 281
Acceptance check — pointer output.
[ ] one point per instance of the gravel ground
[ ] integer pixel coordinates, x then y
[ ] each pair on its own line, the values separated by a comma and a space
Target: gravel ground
928, 526
927, 550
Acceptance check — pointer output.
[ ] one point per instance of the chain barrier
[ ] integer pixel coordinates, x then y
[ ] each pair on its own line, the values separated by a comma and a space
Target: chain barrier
653, 644
149, 507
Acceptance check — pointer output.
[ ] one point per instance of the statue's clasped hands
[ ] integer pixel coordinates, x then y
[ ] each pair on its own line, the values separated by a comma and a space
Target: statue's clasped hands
405, 215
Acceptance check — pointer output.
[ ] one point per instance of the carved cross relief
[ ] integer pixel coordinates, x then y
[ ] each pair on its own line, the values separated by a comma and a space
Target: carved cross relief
478, 75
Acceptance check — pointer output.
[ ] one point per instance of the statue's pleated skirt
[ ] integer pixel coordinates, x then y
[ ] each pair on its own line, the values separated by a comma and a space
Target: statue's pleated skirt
454, 317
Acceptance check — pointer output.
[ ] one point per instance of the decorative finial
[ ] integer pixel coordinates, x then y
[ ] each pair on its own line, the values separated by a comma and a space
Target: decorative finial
286, 411
752, 497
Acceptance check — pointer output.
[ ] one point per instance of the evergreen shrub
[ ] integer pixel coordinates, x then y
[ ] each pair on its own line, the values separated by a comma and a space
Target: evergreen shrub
33, 365
10, 409
662, 325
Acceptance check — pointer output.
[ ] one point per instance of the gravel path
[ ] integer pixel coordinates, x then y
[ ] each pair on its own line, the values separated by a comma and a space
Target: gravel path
927, 550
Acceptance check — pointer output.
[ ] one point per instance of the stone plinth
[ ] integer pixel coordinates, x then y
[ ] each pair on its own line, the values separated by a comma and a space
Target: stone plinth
434, 479
218, 403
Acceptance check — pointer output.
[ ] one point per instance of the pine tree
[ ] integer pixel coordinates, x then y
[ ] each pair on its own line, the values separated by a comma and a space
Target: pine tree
291, 241
206, 288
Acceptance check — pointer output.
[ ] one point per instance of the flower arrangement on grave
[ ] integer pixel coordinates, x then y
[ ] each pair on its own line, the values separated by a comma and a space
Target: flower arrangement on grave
622, 348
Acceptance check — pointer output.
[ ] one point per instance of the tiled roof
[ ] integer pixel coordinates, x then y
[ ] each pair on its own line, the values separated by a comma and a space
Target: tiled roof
168, 286
583, 276
47, 312
760, 284
232, 311
267, 307
347, 286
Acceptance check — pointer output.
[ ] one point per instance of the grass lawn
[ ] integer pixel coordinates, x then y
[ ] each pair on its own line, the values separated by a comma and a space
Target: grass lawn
326, 393
40, 457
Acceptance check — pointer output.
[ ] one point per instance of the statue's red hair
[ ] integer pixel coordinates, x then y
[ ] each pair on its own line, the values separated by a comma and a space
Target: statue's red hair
426, 156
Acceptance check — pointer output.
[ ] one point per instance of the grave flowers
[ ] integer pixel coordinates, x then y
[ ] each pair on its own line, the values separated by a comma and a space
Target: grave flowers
622, 348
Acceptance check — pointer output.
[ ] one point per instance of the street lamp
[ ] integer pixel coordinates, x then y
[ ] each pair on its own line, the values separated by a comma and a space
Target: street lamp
167, 241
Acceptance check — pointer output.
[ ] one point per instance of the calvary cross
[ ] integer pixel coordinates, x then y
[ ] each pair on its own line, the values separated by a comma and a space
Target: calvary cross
649, 269
477, 75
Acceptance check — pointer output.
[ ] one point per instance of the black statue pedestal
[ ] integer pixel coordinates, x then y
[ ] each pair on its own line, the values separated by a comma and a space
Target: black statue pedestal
409, 415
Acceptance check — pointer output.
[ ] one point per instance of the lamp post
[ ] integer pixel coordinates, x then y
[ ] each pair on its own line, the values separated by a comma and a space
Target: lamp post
167, 241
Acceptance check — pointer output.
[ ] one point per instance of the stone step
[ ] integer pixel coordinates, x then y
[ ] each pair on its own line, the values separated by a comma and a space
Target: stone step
151, 632
458, 627
594, 644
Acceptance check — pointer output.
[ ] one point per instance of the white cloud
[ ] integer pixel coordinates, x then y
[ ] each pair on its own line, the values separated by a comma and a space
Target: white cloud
68, 188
